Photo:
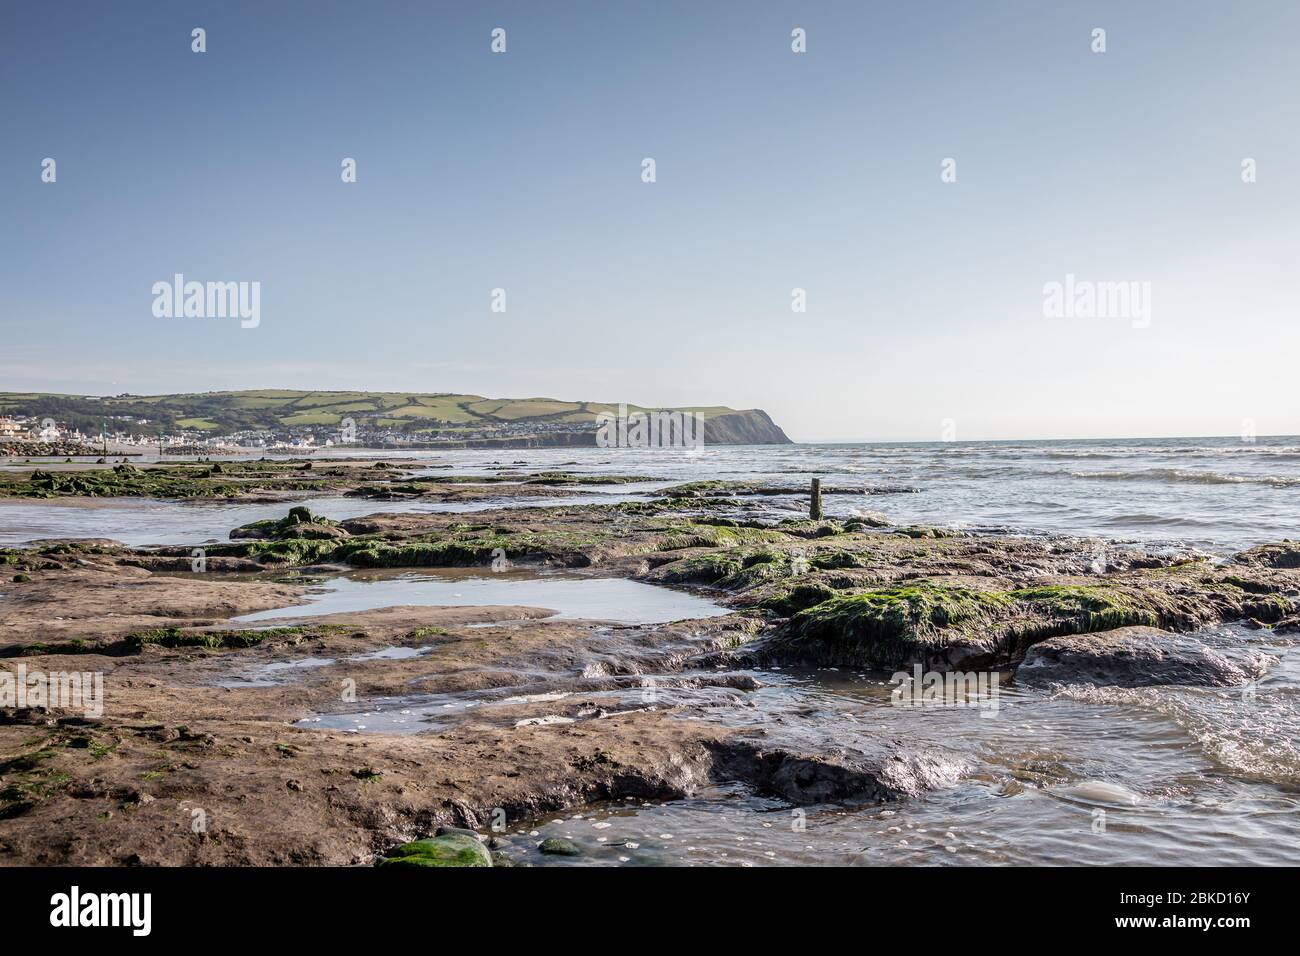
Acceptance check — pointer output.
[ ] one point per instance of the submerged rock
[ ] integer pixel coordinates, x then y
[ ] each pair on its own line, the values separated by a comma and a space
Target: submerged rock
1129, 657
1101, 791
875, 771
557, 847
450, 849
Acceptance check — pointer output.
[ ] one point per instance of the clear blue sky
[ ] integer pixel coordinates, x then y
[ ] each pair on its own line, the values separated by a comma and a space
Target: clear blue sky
775, 170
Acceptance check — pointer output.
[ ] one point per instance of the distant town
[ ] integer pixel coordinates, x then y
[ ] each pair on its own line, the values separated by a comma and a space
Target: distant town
19, 433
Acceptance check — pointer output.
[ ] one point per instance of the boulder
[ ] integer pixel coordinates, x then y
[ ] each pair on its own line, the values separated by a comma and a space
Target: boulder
871, 770
1285, 554
1129, 657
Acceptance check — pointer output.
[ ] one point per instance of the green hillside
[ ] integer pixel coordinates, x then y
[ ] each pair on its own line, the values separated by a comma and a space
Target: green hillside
284, 411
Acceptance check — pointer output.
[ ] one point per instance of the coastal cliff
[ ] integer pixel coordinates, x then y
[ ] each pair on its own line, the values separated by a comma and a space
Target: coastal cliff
751, 427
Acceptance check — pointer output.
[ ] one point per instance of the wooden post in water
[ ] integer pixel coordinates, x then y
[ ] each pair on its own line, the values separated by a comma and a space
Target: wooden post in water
815, 504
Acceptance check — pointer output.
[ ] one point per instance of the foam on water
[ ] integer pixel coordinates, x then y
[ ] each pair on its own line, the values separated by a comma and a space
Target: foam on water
1255, 737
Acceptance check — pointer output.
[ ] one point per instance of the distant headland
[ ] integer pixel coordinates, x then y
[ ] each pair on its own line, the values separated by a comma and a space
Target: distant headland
280, 417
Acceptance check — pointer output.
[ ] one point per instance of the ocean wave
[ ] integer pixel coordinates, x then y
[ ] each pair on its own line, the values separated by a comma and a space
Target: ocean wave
1084, 454
1193, 477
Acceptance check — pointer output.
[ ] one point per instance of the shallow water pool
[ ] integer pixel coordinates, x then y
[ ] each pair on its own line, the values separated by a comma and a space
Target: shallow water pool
570, 596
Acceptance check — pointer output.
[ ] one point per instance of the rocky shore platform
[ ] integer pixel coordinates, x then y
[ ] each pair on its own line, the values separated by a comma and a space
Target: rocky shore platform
217, 742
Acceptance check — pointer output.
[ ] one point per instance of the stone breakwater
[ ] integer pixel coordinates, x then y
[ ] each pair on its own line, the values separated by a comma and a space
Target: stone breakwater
49, 449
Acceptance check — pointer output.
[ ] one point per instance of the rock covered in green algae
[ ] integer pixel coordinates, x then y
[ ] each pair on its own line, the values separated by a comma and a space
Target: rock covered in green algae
887, 623
557, 847
233, 480
450, 849
944, 624
299, 523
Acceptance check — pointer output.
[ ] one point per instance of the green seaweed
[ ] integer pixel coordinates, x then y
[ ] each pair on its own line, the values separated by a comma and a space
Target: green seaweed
887, 624
1084, 608
450, 849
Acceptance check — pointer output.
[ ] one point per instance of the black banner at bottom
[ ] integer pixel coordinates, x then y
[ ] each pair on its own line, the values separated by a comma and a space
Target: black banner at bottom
363, 905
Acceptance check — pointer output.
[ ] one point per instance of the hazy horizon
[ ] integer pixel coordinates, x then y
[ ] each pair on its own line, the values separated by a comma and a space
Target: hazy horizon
776, 171
794, 438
